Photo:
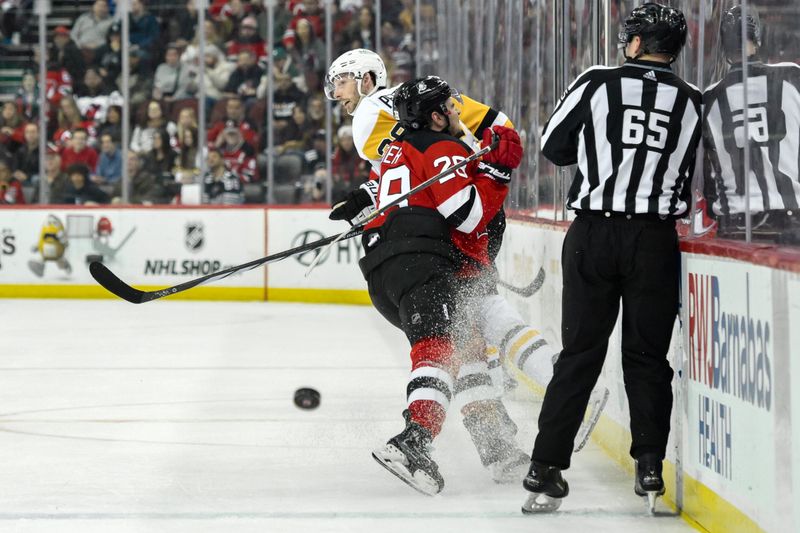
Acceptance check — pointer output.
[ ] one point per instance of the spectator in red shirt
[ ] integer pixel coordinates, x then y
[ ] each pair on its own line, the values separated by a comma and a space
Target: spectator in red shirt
234, 111
11, 126
78, 151
70, 119
229, 12
309, 10
10, 189
247, 39
238, 155
58, 85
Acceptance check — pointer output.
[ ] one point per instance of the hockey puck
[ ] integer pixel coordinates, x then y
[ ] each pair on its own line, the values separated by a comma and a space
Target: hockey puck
306, 398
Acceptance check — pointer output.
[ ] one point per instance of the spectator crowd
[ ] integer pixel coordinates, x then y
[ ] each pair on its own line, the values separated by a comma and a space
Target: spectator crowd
84, 102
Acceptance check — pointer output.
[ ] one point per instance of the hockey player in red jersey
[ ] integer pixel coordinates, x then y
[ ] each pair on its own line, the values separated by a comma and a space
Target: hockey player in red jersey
419, 253
357, 80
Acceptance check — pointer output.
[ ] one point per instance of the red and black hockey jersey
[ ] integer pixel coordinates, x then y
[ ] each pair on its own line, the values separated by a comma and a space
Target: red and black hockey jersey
467, 198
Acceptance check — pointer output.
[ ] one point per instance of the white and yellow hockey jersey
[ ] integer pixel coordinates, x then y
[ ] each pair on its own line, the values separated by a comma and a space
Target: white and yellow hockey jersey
374, 125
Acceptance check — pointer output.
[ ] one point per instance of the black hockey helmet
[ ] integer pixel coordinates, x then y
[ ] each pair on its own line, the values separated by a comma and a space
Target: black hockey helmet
415, 100
730, 30
662, 29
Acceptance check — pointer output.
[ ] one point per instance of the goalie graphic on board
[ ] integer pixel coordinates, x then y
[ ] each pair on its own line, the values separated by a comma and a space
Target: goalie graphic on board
87, 237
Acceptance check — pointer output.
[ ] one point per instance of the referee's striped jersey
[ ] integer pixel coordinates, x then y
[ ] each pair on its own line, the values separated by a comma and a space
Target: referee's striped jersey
773, 116
634, 131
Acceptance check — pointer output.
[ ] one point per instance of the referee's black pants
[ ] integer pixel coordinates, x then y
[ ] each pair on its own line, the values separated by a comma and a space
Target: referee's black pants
605, 260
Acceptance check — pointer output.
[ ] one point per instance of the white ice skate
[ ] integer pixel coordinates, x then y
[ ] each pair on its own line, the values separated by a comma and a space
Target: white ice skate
597, 402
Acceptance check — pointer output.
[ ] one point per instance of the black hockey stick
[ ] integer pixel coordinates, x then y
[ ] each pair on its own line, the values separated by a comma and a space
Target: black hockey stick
116, 286
528, 290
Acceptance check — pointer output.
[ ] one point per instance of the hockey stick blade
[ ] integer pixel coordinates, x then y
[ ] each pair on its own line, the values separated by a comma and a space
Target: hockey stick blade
113, 284
529, 290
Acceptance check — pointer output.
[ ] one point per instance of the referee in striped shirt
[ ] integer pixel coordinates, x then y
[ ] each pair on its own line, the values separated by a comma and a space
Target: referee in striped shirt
773, 103
633, 131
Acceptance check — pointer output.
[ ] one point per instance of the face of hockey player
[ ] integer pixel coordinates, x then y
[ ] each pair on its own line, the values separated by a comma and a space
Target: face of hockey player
345, 91
449, 122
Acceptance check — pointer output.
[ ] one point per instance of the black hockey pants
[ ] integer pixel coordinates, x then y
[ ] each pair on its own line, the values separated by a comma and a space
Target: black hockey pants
605, 259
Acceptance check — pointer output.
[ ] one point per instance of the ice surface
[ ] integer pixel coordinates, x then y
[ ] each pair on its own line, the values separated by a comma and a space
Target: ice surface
177, 416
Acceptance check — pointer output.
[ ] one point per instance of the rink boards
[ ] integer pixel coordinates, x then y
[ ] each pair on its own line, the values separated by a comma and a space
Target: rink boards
731, 459
152, 248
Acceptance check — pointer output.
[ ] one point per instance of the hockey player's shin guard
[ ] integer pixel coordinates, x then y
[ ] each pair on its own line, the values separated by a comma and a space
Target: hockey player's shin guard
407, 454
493, 433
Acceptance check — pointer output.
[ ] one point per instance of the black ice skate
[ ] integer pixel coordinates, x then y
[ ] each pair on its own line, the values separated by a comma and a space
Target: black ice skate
648, 479
547, 488
407, 456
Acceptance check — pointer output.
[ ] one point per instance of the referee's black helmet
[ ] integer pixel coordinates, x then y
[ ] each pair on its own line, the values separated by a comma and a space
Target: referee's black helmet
730, 30
415, 100
662, 29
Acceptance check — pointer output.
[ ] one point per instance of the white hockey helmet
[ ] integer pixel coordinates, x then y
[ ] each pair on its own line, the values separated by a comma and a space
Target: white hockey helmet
355, 64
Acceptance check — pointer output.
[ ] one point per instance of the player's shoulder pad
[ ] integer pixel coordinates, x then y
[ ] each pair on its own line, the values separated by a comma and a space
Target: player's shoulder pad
381, 99
423, 139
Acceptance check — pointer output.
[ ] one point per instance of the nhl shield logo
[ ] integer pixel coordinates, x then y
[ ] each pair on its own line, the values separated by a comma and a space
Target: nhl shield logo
194, 236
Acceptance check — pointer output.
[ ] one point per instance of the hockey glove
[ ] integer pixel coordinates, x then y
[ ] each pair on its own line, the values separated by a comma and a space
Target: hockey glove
357, 205
508, 153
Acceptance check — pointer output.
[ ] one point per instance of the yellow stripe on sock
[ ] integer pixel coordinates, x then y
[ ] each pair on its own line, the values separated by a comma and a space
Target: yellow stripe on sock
520, 343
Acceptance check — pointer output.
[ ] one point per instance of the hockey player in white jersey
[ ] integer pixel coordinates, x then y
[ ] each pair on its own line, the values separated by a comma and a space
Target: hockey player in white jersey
357, 80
